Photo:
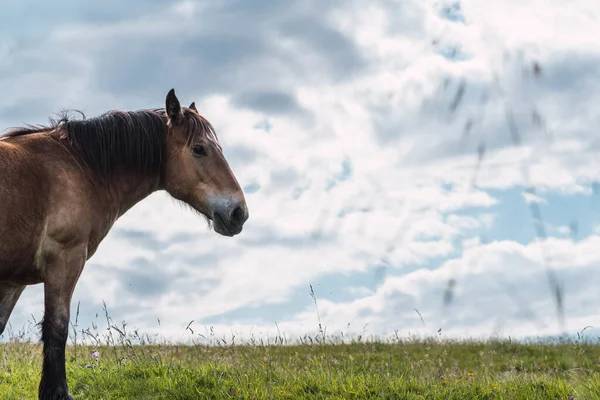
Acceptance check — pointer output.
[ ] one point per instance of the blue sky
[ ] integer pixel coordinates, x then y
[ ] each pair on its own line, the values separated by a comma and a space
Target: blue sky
386, 150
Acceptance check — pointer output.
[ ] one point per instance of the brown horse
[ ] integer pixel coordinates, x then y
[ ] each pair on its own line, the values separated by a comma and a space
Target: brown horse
62, 187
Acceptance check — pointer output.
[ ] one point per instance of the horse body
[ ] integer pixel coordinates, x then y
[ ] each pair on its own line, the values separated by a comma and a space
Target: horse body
52, 205
63, 187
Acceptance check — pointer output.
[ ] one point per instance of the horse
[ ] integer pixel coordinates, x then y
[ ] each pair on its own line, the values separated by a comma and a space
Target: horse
64, 185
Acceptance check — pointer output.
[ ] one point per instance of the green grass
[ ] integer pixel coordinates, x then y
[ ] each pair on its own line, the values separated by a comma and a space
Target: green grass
403, 369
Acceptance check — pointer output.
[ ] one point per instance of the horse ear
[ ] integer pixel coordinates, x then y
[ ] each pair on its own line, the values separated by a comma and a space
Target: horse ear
173, 107
193, 106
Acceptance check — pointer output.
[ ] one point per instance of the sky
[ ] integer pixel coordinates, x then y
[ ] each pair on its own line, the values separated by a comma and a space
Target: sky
411, 167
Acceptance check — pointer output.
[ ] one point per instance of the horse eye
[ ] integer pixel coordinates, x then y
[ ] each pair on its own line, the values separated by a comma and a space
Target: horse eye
199, 150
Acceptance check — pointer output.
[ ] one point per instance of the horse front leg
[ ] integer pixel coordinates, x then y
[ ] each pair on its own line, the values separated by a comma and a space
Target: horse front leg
9, 294
60, 279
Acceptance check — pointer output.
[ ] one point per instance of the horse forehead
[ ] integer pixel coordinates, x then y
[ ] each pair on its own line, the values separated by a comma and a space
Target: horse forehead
211, 138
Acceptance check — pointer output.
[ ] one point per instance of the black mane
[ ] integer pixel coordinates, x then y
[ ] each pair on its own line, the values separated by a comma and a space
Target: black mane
119, 141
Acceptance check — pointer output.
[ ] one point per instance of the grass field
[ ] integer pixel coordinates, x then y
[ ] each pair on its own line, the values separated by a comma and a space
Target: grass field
400, 369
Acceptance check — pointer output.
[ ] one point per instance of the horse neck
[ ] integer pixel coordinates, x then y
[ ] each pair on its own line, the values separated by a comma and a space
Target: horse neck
126, 190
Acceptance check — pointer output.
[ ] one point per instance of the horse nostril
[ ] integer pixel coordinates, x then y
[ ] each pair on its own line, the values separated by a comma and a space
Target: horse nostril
237, 215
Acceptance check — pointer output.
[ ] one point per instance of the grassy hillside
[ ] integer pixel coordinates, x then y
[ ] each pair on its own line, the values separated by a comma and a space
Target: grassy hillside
400, 370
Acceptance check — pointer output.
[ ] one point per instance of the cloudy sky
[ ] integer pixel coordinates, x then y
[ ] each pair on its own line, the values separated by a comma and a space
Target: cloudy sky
398, 156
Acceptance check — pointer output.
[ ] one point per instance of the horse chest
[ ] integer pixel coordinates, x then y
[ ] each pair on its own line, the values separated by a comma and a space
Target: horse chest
17, 260
19, 268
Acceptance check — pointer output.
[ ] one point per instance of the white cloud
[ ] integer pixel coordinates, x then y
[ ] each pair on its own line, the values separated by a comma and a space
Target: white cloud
414, 171
501, 288
533, 198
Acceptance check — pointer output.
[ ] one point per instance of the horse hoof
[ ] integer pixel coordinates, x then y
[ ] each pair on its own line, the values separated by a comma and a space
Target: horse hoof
66, 396
58, 395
